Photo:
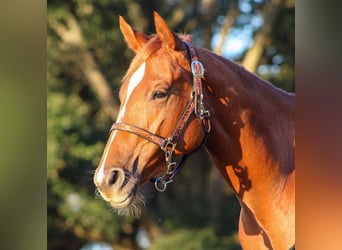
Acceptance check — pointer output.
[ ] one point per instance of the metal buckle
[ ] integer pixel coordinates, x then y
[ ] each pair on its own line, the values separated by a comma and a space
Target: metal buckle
194, 69
171, 167
169, 147
167, 144
199, 108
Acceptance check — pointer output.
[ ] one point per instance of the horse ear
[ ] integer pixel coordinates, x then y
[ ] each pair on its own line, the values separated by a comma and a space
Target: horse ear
165, 34
133, 38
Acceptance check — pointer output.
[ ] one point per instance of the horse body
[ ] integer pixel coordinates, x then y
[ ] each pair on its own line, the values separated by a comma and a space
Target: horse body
252, 145
251, 140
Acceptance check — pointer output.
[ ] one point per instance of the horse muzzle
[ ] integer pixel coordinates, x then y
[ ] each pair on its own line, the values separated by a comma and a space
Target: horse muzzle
116, 186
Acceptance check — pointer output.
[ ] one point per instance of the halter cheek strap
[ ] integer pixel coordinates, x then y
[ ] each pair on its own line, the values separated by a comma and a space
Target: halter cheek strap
197, 70
168, 145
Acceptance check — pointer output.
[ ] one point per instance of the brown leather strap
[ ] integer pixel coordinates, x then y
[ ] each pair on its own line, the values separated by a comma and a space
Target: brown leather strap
147, 135
198, 74
182, 122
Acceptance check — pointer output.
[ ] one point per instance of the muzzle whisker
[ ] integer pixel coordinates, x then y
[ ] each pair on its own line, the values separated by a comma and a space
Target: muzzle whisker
97, 194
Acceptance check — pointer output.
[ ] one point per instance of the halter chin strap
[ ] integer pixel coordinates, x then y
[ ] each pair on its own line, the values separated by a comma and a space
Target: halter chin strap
168, 145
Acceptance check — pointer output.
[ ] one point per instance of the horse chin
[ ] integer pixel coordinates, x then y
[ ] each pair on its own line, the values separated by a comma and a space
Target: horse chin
131, 206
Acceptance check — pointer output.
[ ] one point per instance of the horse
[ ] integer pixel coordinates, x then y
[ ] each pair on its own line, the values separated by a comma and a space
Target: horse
177, 98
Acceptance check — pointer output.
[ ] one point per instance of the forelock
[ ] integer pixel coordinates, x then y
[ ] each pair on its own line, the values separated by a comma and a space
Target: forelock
145, 52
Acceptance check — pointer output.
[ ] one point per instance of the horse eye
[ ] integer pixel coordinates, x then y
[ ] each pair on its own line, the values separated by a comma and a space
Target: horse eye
159, 94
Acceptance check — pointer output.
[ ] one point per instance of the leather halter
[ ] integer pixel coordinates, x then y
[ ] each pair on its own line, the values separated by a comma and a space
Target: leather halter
168, 145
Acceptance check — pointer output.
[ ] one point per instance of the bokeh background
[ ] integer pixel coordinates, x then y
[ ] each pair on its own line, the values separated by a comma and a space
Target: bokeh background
23, 127
86, 59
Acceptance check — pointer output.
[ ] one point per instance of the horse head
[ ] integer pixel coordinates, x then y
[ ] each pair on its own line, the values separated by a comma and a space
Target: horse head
157, 120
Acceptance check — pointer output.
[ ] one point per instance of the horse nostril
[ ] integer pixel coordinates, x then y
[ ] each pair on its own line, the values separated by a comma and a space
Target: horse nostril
114, 177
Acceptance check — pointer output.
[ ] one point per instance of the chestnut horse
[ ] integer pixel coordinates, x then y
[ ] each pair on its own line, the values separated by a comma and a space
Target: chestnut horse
175, 99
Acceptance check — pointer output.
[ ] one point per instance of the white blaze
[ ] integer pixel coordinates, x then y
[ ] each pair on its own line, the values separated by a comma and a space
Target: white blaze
133, 83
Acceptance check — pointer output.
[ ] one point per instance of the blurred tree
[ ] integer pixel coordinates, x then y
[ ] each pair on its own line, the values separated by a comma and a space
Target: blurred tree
81, 106
262, 38
270, 53
87, 58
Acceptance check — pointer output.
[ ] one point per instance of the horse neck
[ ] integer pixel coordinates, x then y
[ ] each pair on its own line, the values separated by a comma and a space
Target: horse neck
252, 137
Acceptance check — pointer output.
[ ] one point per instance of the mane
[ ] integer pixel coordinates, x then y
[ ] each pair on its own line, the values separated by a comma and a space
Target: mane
245, 74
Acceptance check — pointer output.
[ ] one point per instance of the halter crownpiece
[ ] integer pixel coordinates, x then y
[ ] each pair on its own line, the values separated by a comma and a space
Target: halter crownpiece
197, 70
168, 145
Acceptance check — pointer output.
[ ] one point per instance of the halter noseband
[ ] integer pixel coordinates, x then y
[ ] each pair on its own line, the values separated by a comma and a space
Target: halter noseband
168, 145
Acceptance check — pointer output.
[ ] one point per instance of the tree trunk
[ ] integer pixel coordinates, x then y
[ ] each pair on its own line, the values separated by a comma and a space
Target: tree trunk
262, 38
72, 34
209, 15
228, 23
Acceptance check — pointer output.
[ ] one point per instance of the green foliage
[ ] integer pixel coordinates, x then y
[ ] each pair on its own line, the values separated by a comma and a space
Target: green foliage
77, 133
283, 43
195, 239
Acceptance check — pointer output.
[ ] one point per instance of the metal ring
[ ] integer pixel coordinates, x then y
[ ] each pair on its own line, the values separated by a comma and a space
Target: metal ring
194, 69
156, 185
164, 183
